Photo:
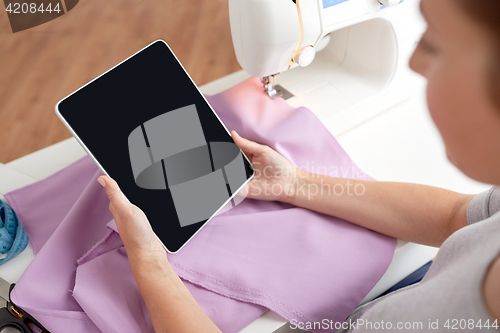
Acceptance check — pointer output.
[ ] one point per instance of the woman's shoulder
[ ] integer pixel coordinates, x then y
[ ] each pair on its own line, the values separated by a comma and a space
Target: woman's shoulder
491, 288
484, 205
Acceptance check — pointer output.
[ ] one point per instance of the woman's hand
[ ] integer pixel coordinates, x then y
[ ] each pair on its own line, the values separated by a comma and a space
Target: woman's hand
171, 306
275, 176
135, 231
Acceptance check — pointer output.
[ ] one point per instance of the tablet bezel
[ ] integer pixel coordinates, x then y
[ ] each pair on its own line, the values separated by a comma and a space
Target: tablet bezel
60, 116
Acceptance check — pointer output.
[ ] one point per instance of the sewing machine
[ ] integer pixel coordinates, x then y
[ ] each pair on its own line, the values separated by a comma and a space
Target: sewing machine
347, 61
330, 55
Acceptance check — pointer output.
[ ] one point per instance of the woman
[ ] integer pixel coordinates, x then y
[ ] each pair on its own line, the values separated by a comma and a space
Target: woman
460, 56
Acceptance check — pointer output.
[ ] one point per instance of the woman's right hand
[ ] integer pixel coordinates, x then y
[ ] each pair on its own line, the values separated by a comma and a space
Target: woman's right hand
133, 226
275, 176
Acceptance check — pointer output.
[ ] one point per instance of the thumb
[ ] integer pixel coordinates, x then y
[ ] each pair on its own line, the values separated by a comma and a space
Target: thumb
123, 209
250, 148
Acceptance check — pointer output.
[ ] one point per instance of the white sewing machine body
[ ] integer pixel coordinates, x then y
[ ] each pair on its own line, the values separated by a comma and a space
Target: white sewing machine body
361, 48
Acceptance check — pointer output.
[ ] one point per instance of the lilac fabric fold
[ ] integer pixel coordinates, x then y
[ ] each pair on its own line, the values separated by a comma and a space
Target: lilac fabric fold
259, 255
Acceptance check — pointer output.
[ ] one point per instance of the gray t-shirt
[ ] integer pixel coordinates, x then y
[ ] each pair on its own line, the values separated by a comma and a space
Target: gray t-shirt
450, 295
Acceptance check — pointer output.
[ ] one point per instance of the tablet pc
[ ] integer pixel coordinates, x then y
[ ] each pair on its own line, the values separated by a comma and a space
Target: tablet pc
145, 124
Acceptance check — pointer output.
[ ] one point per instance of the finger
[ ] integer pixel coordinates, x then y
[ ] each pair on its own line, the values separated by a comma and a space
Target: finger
248, 147
122, 208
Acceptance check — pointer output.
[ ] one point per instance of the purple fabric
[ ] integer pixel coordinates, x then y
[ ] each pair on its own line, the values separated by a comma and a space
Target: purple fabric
259, 255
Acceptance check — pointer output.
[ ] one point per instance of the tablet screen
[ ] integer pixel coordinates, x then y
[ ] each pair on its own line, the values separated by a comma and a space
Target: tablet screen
146, 125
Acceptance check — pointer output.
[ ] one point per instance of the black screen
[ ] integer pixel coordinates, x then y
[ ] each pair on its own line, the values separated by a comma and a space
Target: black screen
119, 118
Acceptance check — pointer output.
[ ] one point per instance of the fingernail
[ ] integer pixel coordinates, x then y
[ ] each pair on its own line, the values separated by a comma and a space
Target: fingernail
101, 181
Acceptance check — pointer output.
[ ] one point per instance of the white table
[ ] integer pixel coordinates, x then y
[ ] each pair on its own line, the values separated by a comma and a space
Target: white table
400, 144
